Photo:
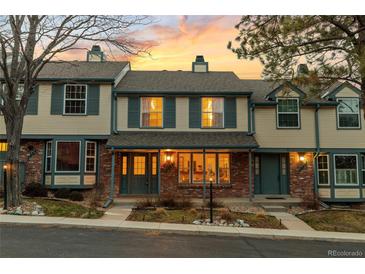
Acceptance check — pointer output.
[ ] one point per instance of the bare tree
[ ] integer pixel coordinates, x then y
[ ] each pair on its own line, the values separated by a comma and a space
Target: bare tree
27, 43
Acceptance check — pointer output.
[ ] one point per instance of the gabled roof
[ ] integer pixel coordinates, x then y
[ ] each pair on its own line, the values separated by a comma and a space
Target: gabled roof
80, 70
175, 140
184, 82
337, 87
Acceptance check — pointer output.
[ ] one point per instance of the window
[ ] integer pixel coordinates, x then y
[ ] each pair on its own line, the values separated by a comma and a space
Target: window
346, 170
48, 156
191, 168
283, 166
68, 156
323, 170
363, 168
75, 99
154, 165
90, 156
152, 111
257, 165
184, 168
224, 168
212, 112
19, 93
3, 147
348, 113
124, 165
288, 113
139, 167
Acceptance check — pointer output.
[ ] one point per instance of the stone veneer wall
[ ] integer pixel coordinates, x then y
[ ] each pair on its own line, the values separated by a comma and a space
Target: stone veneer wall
239, 187
301, 177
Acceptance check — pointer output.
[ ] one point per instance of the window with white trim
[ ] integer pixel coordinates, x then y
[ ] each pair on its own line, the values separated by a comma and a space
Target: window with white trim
288, 113
68, 156
48, 165
75, 99
346, 172
212, 112
363, 168
18, 95
323, 170
151, 112
348, 113
90, 156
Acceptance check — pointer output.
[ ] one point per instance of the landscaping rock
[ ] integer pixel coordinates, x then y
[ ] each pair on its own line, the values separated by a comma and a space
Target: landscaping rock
35, 213
18, 211
197, 222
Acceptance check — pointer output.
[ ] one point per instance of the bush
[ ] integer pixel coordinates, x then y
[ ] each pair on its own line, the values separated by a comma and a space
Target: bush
226, 214
168, 202
215, 204
76, 196
62, 193
35, 190
146, 202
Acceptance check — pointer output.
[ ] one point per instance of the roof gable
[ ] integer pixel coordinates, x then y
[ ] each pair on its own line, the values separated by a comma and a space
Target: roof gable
337, 90
286, 89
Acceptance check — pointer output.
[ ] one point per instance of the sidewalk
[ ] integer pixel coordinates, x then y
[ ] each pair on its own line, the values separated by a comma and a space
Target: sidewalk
115, 223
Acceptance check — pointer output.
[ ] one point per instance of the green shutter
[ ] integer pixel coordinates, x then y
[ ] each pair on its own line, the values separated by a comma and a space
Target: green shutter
57, 99
169, 112
195, 112
133, 112
230, 116
93, 98
32, 107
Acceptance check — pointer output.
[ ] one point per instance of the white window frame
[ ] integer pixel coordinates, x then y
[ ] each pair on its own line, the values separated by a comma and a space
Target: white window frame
56, 153
140, 112
321, 169
363, 167
338, 113
91, 157
48, 156
357, 169
202, 112
17, 98
277, 112
64, 100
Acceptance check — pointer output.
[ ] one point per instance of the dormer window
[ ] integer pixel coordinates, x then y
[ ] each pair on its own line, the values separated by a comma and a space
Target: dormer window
348, 113
75, 100
151, 112
288, 113
212, 112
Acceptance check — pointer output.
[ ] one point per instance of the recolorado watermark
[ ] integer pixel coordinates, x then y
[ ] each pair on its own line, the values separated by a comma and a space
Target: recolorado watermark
344, 253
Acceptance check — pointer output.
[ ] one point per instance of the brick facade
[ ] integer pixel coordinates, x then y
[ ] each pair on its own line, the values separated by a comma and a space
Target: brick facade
238, 187
31, 155
301, 176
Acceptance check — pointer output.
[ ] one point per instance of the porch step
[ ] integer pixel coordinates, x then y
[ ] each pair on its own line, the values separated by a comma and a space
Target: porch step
274, 208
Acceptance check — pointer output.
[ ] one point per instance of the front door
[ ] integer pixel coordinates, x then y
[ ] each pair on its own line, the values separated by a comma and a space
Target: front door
271, 174
139, 173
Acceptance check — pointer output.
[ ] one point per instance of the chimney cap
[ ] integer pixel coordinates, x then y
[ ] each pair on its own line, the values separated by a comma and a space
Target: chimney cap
95, 48
199, 58
302, 69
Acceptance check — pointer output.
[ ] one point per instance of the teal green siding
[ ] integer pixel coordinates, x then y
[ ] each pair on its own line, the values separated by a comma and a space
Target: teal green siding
57, 99
169, 112
230, 115
32, 108
93, 98
133, 112
195, 112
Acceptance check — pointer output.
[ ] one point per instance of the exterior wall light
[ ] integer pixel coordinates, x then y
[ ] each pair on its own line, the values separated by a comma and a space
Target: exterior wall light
168, 156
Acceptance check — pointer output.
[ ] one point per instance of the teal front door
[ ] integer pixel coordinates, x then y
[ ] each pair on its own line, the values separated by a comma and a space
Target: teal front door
139, 173
271, 174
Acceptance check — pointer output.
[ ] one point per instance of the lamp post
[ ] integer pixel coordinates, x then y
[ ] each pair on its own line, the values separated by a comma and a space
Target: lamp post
211, 198
5, 168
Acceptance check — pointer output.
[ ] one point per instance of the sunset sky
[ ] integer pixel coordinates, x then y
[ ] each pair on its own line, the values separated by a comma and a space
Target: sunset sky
176, 40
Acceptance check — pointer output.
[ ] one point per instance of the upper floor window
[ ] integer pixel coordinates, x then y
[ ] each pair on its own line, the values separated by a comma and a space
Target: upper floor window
212, 112
19, 93
75, 99
288, 113
151, 112
348, 113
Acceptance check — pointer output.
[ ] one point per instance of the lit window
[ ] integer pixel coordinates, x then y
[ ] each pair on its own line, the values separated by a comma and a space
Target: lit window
68, 156
184, 168
288, 113
198, 168
348, 112
210, 167
323, 170
3, 147
151, 112
48, 156
224, 168
75, 99
124, 164
212, 112
154, 165
90, 156
346, 169
139, 167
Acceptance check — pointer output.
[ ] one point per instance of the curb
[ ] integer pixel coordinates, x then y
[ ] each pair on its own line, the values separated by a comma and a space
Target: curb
258, 235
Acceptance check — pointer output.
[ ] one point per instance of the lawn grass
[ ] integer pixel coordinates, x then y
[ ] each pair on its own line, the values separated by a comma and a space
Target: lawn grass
335, 220
187, 216
54, 208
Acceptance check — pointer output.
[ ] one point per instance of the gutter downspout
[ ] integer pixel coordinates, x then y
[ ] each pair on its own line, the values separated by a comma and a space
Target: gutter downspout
318, 149
250, 174
114, 108
111, 191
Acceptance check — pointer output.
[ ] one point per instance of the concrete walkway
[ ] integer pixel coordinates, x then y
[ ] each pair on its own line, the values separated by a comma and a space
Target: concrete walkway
118, 223
117, 212
291, 222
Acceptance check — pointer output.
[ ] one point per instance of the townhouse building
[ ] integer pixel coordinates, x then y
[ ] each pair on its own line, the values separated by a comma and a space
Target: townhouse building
171, 133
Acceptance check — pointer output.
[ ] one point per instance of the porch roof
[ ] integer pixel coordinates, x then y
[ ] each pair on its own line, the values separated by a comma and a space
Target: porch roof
181, 140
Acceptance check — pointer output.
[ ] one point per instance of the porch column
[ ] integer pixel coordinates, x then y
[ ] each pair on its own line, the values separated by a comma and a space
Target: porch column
111, 184
250, 175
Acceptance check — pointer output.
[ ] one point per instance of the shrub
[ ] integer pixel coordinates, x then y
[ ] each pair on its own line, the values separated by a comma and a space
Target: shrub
167, 202
35, 190
184, 203
226, 214
76, 196
62, 193
146, 202
215, 204
160, 212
